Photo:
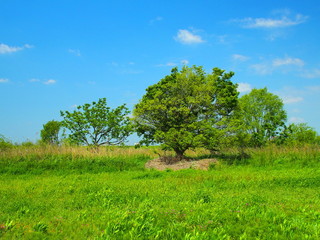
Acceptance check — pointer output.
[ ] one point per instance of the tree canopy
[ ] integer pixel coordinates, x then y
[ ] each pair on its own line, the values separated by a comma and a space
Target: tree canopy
296, 134
183, 108
262, 115
96, 124
50, 132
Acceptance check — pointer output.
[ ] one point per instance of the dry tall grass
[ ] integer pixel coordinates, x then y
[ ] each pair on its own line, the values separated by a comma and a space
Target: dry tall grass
76, 151
261, 156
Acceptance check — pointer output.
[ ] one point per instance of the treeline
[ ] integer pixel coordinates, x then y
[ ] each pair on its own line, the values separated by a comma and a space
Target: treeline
186, 109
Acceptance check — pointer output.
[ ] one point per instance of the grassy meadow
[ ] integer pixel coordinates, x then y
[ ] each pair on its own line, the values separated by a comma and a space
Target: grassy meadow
78, 193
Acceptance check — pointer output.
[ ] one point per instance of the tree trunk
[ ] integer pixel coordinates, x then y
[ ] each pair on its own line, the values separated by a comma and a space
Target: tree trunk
179, 154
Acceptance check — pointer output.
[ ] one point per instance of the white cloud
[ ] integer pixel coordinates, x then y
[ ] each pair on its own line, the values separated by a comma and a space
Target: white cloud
50, 82
157, 19
168, 64
239, 57
171, 64
287, 61
296, 120
184, 62
244, 87
7, 49
284, 21
34, 80
187, 37
27, 46
262, 68
290, 99
75, 52
285, 65
311, 74
4, 80
272, 36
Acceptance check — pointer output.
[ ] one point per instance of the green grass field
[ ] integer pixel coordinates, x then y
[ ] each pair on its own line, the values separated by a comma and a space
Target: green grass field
76, 194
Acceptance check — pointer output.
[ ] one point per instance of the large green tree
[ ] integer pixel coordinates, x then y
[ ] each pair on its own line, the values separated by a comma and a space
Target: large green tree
96, 124
50, 132
261, 115
182, 110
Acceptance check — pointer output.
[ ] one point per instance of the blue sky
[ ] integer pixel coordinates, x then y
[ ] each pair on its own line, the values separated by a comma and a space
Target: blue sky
55, 55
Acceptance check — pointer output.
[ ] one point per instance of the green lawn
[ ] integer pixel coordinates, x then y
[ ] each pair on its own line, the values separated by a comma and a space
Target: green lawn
226, 202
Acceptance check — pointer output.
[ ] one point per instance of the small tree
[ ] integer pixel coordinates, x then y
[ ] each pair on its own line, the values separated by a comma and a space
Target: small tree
262, 115
96, 124
50, 132
181, 110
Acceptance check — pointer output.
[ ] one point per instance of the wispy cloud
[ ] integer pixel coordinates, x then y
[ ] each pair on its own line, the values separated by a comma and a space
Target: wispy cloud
244, 87
315, 73
287, 61
284, 21
50, 82
4, 80
171, 64
46, 82
184, 62
124, 68
296, 120
168, 64
186, 37
174, 63
290, 99
75, 52
239, 57
313, 88
283, 64
9, 49
157, 19
222, 39
261, 68
34, 80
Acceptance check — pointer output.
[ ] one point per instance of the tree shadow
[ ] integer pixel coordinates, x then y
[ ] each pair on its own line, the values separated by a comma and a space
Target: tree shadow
228, 158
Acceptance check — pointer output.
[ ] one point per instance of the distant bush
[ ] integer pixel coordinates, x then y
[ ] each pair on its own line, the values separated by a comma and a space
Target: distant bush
5, 143
27, 144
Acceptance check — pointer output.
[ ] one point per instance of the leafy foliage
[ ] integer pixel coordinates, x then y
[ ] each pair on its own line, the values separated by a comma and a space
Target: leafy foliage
4, 143
50, 132
96, 124
182, 109
261, 115
296, 134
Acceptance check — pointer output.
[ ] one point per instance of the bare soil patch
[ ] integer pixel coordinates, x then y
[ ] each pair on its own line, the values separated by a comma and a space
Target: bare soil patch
202, 164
